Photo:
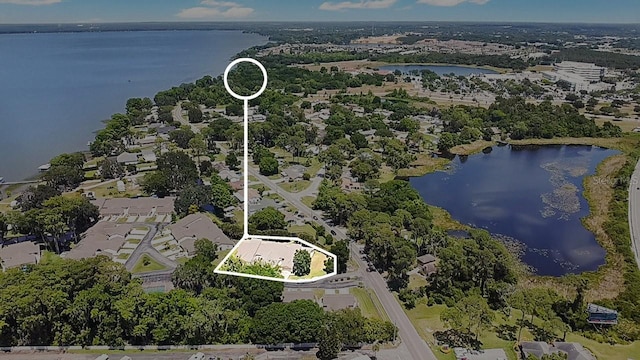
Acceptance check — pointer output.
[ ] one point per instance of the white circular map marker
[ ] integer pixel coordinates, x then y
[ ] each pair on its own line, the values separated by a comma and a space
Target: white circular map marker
246, 236
236, 62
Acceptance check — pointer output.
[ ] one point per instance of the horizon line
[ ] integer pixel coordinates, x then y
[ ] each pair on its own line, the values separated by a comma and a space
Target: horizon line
322, 22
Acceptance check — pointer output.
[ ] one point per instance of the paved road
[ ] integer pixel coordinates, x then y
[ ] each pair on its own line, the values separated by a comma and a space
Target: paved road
410, 337
634, 212
145, 247
177, 115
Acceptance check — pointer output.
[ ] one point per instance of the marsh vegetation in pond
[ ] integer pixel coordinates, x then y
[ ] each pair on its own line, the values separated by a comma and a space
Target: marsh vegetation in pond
528, 196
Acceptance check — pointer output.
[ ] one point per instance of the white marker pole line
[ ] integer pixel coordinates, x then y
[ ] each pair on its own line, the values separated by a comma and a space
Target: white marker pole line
246, 235
246, 169
246, 99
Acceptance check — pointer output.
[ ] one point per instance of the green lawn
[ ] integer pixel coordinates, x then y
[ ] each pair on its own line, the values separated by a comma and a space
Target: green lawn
253, 178
317, 267
417, 281
368, 303
316, 165
134, 241
296, 186
274, 197
426, 320
123, 256
306, 228
607, 351
152, 265
308, 200
49, 257
221, 255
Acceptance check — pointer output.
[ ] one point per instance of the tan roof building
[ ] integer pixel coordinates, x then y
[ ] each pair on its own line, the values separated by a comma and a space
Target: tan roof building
104, 238
199, 226
271, 252
334, 302
19, 254
135, 207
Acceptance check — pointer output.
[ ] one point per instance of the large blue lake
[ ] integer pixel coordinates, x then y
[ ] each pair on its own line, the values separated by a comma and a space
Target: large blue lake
530, 197
57, 88
438, 69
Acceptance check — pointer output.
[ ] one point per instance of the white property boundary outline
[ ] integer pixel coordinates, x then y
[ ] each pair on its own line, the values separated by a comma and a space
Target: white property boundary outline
246, 235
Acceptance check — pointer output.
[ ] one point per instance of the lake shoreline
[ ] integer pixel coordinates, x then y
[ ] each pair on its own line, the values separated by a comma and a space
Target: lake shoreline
590, 194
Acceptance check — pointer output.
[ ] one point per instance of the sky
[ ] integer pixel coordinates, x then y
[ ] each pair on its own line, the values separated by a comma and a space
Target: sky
71, 11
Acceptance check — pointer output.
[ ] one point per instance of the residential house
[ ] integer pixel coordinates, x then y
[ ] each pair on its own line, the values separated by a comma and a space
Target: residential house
293, 173
254, 196
237, 185
149, 156
271, 252
574, 351
135, 207
15, 255
348, 184
427, 264
199, 226
127, 158
104, 238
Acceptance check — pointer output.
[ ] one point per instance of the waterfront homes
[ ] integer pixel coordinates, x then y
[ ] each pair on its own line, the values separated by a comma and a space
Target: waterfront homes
199, 226
19, 254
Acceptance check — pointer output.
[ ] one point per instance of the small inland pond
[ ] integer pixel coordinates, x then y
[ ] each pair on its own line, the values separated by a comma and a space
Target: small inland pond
531, 197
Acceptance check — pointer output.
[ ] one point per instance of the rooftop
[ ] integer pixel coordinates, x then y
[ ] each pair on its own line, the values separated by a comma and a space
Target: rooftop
138, 206
272, 252
23, 253
198, 226
104, 238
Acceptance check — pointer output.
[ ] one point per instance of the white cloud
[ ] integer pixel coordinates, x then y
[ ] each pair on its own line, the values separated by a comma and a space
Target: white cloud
213, 9
30, 2
362, 4
451, 2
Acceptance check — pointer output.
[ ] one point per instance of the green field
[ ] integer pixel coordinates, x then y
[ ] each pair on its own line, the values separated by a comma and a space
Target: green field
368, 303
296, 186
152, 265
308, 200
306, 228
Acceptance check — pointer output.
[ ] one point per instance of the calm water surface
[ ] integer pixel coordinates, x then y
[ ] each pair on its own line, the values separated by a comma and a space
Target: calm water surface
530, 197
55, 89
438, 69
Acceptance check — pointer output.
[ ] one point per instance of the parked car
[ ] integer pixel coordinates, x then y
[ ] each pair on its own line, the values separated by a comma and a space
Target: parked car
333, 232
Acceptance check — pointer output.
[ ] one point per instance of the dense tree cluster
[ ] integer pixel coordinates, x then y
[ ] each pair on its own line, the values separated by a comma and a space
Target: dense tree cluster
519, 119
176, 171
66, 171
479, 264
502, 61
378, 219
54, 218
600, 58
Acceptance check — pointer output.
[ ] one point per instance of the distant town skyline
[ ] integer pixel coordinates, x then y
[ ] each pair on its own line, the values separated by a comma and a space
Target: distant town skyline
88, 11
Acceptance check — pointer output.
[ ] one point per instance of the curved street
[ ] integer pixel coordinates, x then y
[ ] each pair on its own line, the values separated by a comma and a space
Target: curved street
634, 212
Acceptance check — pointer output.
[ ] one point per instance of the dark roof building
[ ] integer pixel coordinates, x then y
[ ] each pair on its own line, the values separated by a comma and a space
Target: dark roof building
574, 351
